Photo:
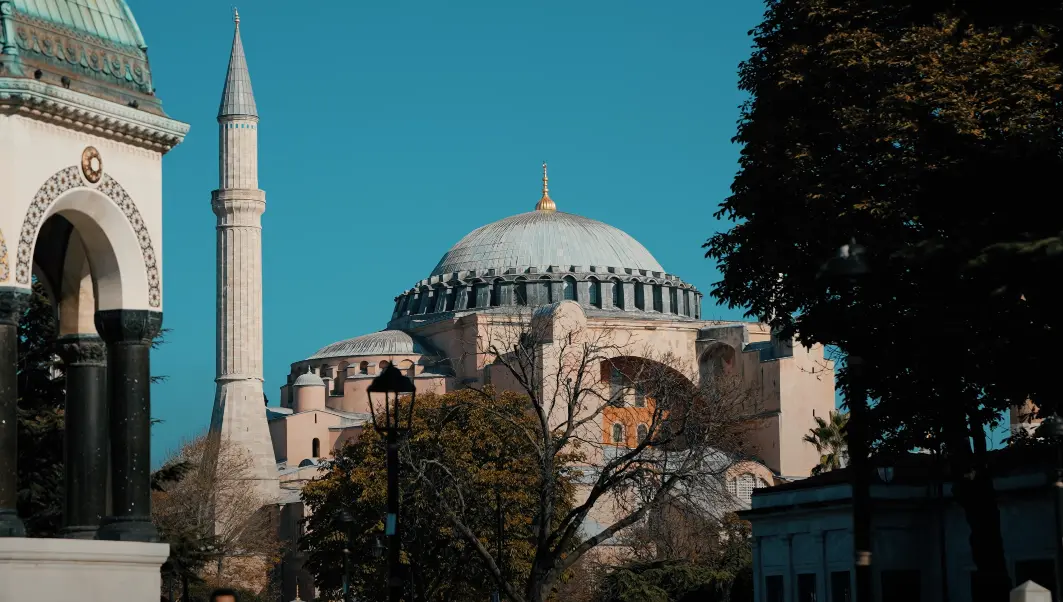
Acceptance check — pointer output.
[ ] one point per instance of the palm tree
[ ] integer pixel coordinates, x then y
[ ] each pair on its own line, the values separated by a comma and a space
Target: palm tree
829, 439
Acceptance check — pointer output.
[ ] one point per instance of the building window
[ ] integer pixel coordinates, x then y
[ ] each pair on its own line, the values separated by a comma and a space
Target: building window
474, 295
673, 298
658, 298
618, 294
806, 587
901, 586
743, 485
549, 289
315, 447
521, 292
841, 587
643, 432
496, 294
596, 293
773, 589
1041, 571
640, 296
452, 298
568, 287
618, 434
363, 368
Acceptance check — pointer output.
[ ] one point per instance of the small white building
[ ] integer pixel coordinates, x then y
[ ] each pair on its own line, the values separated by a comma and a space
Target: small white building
803, 543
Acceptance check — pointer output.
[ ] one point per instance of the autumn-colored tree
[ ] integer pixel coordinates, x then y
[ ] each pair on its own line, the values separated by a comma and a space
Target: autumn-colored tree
674, 437
479, 441
828, 436
927, 131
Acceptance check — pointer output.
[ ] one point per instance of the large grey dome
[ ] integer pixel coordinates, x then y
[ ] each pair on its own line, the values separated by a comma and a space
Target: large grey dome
546, 238
385, 342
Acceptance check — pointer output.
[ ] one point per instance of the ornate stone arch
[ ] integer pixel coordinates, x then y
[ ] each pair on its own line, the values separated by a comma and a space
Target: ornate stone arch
69, 179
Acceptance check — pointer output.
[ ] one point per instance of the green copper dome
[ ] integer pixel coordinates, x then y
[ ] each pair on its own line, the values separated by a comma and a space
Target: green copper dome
109, 20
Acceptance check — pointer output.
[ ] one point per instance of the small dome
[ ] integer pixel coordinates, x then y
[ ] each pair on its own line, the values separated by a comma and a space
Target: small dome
546, 238
385, 342
310, 379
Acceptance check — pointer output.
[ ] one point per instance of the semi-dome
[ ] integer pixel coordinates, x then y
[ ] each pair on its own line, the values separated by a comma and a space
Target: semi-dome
546, 238
385, 342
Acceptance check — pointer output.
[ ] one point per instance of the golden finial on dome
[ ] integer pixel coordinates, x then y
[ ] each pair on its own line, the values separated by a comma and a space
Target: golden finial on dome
546, 203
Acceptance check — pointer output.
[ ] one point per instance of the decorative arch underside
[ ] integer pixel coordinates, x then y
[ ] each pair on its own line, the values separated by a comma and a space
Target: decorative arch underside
61, 182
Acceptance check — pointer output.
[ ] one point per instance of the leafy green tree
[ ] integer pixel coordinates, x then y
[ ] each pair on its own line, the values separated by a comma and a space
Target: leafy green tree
927, 131
828, 436
477, 439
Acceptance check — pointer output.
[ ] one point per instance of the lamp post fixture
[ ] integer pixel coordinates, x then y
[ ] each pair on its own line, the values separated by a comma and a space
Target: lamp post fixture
1052, 427
848, 266
344, 517
388, 389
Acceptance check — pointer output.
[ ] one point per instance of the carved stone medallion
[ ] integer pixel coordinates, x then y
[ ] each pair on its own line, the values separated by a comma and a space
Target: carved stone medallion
91, 164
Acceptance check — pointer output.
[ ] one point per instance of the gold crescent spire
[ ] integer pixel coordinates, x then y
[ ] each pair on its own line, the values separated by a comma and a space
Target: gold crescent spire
546, 203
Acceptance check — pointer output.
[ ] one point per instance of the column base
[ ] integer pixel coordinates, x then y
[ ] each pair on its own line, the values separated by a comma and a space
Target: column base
10, 524
127, 528
80, 532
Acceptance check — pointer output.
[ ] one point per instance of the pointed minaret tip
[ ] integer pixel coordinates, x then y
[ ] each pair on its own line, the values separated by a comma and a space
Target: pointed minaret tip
237, 100
546, 204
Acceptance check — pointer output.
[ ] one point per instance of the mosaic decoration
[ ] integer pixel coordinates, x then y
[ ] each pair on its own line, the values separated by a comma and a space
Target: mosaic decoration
5, 270
51, 190
91, 164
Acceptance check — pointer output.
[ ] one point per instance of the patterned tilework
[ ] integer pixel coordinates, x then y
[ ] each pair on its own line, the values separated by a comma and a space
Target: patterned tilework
71, 178
543, 239
5, 269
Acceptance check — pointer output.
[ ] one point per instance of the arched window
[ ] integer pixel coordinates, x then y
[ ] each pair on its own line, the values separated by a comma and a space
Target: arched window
743, 485
496, 293
618, 294
618, 433
475, 293
596, 293
520, 292
452, 298
640, 296
658, 299
363, 368
673, 299
383, 365
568, 287
549, 289
643, 432
315, 448
425, 302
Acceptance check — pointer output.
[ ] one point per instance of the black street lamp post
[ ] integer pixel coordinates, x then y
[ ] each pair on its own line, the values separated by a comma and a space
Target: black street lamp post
344, 517
1053, 427
848, 266
390, 386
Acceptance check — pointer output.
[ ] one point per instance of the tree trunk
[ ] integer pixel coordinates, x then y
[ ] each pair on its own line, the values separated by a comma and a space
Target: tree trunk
972, 487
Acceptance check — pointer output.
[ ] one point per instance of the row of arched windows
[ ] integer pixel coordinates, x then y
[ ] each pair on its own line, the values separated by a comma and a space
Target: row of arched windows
483, 294
619, 438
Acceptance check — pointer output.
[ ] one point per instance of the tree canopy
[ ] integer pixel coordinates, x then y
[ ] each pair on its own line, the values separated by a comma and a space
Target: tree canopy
476, 438
927, 131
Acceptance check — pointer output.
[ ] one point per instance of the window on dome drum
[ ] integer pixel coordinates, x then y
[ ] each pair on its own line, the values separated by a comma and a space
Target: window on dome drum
520, 292
452, 297
618, 434
640, 296
673, 298
363, 368
568, 287
658, 298
549, 290
315, 448
618, 294
643, 431
476, 292
496, 293
596, 293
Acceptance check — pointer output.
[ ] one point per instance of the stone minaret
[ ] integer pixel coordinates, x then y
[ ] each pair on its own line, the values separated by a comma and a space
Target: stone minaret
239, 404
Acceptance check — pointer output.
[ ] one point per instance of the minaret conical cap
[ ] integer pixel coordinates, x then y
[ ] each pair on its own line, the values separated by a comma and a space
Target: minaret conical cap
237, 100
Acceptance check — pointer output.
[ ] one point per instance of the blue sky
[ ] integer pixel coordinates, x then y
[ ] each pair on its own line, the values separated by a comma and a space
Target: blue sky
391, 129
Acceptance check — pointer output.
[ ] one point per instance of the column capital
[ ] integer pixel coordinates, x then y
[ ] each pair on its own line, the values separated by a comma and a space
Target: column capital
13, 301
128, 326
81, 349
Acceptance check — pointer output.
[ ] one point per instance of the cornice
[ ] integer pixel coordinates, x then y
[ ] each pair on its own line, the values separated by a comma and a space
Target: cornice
82, 112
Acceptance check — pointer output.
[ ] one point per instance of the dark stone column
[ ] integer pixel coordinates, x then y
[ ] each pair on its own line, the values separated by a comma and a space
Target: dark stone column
86, 441
13, 302
128, 334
